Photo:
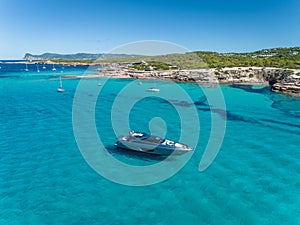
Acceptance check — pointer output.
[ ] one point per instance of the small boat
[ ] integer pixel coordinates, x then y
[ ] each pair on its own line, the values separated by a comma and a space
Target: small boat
143, 142
99, 84
26, 68
44, 67
60, 88
153, 89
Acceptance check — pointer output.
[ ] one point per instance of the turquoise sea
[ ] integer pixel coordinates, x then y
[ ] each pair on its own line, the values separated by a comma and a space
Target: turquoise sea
44, 178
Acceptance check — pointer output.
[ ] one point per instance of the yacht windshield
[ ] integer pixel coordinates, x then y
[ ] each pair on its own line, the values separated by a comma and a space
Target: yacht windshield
153, 139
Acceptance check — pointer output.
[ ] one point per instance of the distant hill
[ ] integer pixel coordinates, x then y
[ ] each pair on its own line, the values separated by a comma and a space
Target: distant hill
77, 56
272, 52
275, 57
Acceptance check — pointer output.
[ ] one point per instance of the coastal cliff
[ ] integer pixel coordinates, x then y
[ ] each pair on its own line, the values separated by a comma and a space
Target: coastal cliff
289, 85
280, 67
285, 81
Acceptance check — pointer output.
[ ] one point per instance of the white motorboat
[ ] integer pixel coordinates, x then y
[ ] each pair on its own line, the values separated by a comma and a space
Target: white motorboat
153, 89
143, 142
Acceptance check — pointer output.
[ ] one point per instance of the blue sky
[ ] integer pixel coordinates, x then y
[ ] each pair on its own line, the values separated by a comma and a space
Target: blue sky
98, 26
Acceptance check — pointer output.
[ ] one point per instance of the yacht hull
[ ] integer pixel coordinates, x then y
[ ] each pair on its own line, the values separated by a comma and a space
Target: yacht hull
166, 147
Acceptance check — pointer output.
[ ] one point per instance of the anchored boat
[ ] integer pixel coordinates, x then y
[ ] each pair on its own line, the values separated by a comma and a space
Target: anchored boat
143, 142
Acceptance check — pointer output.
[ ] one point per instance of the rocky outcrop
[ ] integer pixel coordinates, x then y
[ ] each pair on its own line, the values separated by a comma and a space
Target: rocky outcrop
207, 75
281, 80
289, 85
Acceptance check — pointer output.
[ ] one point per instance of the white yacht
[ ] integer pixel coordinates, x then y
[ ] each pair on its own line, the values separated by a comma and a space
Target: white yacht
142, 142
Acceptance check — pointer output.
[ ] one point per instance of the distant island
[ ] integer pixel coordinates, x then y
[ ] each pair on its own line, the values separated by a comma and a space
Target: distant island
279, 67
77, 56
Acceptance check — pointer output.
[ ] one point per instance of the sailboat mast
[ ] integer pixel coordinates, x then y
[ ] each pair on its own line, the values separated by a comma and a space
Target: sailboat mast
60, 82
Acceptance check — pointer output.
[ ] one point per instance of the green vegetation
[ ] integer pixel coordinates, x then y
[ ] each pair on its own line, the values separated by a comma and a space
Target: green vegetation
277, 57
153, 65
170, 61
289, 72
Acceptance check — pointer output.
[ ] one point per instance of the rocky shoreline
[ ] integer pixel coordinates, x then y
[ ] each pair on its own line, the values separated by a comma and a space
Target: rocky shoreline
290, 86
286, 81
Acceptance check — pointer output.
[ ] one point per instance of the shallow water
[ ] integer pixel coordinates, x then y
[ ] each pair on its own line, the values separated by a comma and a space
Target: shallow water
44, 178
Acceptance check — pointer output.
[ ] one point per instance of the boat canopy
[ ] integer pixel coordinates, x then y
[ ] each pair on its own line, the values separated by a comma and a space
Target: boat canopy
146, 137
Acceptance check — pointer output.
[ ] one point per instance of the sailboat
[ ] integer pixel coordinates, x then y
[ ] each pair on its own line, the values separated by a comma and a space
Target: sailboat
37, 68
60, 88
53, 68
26, 68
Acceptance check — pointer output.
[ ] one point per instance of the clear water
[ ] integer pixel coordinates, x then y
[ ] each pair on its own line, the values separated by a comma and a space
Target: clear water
44, 179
